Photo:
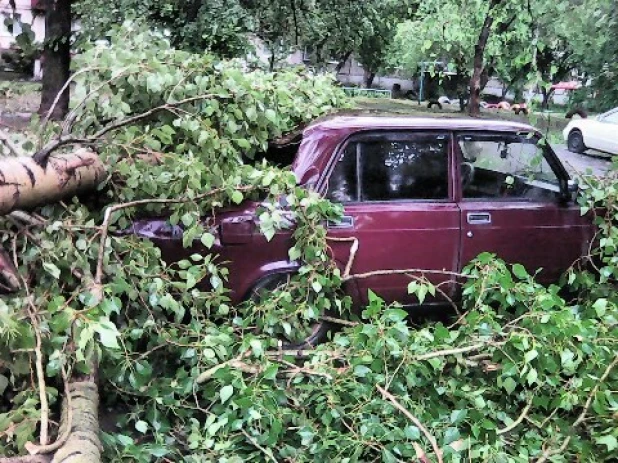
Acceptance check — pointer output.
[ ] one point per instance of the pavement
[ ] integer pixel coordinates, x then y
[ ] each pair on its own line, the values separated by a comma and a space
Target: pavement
591, 161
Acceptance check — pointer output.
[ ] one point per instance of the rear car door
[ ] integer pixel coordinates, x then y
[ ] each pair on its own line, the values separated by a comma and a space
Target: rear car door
512, 205
397, 191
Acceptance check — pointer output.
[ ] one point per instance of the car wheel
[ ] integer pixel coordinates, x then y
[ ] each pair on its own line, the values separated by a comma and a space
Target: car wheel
313, 334
575, 142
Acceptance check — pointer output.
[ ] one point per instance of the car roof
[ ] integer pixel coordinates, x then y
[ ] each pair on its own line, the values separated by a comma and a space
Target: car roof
410, 122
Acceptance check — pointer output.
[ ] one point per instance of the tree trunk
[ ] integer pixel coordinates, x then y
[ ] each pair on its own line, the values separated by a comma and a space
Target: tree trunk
547, 94
24, 184
474, 108
78, 438
83, 444
368, 78
56, 59
342, 62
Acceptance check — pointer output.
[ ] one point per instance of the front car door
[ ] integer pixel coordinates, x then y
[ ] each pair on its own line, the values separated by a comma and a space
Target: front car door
397, 192
512, 203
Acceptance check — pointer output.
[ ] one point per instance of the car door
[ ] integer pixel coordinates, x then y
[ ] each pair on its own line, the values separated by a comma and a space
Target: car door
396, 189
608, 132
511, 203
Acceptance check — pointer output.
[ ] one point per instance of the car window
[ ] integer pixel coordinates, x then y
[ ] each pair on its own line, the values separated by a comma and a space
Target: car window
392, 168
611, 118
506, 166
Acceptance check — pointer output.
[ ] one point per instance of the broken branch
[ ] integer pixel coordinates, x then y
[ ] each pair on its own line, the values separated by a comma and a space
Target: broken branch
387, 395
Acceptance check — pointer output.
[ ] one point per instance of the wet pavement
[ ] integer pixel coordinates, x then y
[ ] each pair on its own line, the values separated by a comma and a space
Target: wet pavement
590, 162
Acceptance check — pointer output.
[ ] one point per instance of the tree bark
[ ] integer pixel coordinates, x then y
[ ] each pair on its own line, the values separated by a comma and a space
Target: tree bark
24, 184
368, 78
547, 94
83, 444
56, 59
78, 436
342, 62
479, 51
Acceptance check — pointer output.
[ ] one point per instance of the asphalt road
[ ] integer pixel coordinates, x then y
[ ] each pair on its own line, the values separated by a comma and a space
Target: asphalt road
578, 164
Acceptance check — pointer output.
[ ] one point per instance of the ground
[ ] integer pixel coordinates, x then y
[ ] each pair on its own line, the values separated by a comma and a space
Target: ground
20, 99
591, 162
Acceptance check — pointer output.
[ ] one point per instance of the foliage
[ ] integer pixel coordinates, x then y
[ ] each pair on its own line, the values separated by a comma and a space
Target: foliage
179, 153
593, 40
523, 374
215, 26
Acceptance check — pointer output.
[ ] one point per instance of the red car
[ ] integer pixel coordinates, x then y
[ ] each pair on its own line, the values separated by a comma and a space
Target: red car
426, 194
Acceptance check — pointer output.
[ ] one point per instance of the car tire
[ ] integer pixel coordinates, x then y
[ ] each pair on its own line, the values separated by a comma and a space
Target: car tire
320, 329
575, 142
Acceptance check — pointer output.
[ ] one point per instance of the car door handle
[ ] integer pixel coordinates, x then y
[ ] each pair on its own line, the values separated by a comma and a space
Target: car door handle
344, 222
479, 218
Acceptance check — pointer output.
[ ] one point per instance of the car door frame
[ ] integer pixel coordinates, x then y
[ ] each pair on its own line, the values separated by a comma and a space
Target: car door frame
402, 205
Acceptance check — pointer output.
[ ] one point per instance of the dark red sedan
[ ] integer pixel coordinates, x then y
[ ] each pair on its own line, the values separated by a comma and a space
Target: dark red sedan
427, 194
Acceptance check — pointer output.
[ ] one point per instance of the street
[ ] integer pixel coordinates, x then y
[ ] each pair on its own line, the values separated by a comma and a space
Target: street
578, 164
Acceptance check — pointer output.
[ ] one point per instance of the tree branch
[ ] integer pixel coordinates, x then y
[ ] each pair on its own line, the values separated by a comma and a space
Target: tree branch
388, 396
519, 419
41, 156
111, 209
580, 419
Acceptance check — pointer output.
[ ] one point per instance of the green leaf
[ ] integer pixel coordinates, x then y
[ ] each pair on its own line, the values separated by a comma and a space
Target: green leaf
226, 392
237, 197
207, 240
520, 272
108, 334
530, 355
141, 426
610, 441
51, 269
509, 385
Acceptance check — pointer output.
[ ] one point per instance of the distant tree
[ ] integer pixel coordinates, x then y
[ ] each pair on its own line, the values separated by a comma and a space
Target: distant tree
218, 26
520, 41
593, 39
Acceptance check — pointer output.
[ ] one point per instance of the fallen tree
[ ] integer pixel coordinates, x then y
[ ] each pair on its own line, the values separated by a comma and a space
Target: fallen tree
523, 374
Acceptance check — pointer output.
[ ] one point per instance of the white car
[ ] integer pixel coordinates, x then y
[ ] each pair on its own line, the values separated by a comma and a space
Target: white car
600, 133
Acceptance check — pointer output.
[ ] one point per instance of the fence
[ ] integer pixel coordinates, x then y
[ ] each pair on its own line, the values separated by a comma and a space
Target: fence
367, 92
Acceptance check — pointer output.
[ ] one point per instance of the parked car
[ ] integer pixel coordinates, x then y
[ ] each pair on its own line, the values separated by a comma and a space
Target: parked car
600, 133
418, 193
